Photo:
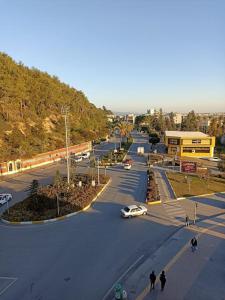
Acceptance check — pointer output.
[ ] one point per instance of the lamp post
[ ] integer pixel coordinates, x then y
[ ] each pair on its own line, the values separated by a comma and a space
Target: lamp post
57, 199
65, 111
195, 213
98, 173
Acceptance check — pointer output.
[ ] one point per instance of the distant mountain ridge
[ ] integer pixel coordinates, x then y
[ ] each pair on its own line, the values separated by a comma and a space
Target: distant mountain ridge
30, 112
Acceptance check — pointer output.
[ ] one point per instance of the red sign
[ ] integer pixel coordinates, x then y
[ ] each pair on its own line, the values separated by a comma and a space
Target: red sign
188, 166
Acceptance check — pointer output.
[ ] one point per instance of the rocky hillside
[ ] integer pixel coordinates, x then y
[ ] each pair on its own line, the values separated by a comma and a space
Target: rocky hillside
30, 112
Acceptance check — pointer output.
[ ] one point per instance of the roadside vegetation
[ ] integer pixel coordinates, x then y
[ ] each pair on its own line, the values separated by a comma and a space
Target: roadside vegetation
185, 185
152, 194
58, 199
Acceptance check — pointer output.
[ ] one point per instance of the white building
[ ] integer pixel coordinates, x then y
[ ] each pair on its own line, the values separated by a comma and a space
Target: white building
177, 118
130, 118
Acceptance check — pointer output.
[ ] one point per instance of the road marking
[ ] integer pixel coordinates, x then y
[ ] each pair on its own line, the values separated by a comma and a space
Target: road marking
13, 280
110, 290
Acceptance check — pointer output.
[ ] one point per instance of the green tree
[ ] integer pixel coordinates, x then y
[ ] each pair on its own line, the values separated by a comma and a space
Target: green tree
190, 122
33, 188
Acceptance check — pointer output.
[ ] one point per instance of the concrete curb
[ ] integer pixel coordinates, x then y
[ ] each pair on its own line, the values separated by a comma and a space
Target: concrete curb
62, 217
154, 202
199, 196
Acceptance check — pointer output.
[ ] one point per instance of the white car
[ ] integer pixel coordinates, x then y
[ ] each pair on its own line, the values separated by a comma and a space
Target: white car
78, 158
215, 159
127, 166
4, 198
133, 210
85, 155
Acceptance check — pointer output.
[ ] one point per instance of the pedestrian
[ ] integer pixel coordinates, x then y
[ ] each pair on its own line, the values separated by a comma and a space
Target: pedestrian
194, 244
152, 278
187, 222
163, 280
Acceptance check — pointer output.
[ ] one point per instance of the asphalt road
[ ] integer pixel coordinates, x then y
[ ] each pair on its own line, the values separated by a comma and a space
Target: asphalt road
81, 257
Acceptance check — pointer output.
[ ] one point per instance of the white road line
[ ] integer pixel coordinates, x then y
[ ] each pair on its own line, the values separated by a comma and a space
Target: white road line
110, 290
11, 283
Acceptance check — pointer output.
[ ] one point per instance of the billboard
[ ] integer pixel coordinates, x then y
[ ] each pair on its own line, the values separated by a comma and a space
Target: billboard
188, 166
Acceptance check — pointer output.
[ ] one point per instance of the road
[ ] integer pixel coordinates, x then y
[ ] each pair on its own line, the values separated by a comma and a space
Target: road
81, 257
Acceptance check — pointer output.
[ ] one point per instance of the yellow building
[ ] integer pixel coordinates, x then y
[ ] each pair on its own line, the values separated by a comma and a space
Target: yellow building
189, 143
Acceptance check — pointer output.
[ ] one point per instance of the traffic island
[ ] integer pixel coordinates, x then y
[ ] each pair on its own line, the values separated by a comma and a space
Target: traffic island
57, 201
152, 195
117, 155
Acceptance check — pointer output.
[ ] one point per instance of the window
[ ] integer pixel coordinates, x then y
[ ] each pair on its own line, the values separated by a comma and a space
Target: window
174, 141
196, 141
196, 150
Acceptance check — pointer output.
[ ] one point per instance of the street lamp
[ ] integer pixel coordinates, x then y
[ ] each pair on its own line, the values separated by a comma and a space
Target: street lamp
98, 172
195, 217
65, 111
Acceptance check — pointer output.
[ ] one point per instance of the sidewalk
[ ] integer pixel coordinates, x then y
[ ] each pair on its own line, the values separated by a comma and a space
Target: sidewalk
198, 275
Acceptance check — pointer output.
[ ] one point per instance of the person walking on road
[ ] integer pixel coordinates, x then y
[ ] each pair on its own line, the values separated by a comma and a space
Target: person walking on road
163, 280
152, 278
187, 222
194, 244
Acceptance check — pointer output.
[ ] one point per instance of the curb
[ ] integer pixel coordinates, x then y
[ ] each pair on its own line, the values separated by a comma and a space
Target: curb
198, 196
154, 202
62, 217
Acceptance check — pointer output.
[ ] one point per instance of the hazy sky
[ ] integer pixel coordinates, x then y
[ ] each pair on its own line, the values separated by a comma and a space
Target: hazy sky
128, 55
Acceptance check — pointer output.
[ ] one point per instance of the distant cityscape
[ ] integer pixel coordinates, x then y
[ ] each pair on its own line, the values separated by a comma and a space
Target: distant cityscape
205, 119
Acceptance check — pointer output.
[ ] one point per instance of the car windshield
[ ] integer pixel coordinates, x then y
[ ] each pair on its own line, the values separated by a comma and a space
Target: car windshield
126, 209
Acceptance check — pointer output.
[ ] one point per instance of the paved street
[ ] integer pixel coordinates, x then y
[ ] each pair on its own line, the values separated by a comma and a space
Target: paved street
82, 257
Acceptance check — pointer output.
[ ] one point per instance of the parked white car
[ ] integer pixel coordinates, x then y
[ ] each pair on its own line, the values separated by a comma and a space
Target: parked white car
85, 155
4, 198
215, 159
133, 210
78, 158
127, 166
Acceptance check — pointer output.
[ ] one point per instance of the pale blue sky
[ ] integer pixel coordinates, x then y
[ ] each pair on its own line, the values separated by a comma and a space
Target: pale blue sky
128, 55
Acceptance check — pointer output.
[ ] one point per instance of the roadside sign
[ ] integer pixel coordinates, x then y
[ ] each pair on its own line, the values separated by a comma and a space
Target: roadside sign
188, 166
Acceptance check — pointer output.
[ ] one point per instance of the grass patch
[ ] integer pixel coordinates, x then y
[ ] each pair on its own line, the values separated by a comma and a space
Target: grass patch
186, 185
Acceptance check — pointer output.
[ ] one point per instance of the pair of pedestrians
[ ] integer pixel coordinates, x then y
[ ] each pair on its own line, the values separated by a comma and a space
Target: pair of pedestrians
162, 278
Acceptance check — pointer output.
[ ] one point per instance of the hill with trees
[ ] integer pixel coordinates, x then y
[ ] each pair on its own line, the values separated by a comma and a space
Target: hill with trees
31, 121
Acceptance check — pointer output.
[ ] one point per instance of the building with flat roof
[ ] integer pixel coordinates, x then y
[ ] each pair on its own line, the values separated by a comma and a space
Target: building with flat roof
189, 143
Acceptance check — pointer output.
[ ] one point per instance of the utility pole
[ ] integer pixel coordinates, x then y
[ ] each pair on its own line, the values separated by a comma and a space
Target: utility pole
195, 217
65, 111
57, 199
98, 173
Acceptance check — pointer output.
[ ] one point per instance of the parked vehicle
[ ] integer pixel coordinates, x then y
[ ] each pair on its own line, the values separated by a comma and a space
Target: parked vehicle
133, 210
4, 198
215, 159
78, 158
85, 155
